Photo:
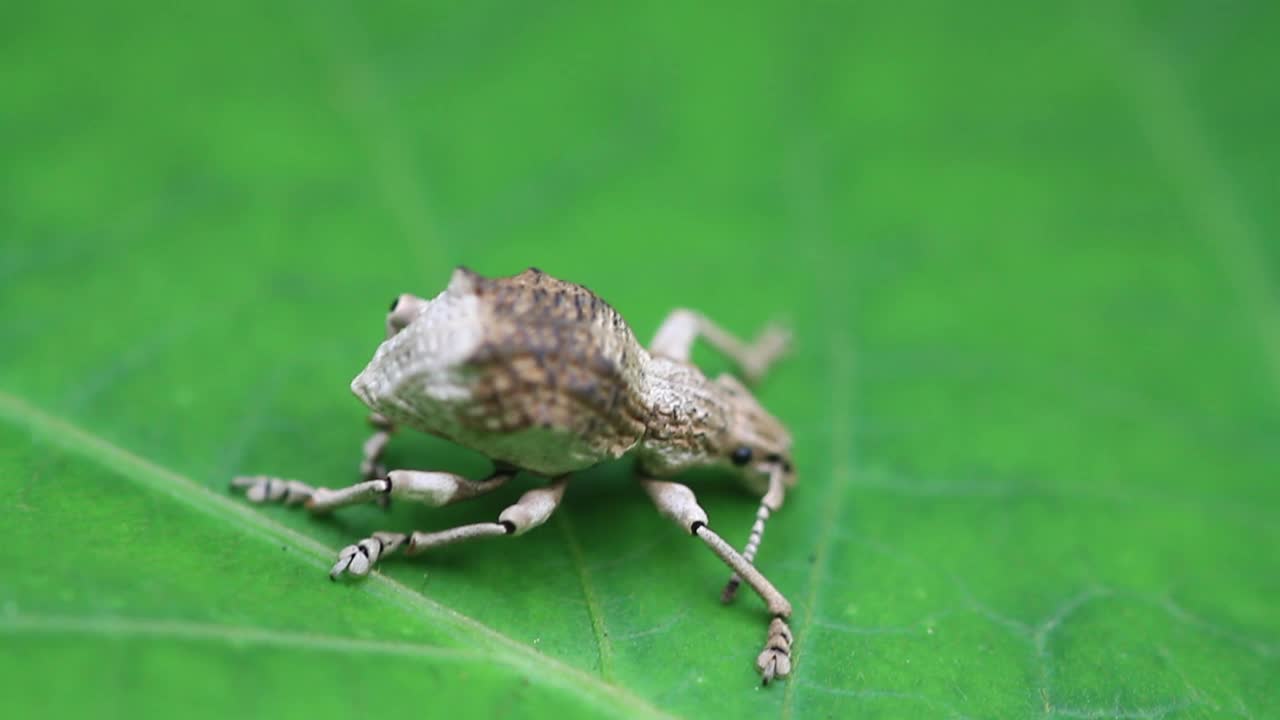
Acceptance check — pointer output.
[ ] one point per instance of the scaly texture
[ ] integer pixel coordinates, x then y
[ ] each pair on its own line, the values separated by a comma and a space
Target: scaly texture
555, 356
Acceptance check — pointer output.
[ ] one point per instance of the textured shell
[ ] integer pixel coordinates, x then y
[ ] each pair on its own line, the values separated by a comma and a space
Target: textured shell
529, 370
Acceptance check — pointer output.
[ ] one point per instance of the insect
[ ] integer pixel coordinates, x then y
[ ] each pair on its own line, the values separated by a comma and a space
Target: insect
542, 376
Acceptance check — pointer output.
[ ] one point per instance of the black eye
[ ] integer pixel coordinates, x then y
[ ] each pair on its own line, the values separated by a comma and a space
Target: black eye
394, 303
741, 456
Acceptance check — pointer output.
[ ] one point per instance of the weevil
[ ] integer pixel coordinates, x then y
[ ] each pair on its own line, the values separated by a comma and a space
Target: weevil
540, 375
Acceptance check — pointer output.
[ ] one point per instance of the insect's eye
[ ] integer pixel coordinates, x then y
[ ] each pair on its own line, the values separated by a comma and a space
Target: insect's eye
741, 456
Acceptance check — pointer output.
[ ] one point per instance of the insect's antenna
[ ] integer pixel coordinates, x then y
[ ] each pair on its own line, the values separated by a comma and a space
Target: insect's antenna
771, 501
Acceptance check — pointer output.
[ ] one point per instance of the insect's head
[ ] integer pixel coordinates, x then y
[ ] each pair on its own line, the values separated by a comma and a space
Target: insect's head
755, 442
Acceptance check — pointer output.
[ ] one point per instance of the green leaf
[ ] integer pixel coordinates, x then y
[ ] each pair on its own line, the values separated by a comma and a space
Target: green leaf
1028, 252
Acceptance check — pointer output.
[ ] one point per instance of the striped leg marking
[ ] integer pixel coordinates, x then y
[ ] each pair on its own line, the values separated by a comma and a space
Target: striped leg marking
748, 554
264, 488
769, 504
531, 510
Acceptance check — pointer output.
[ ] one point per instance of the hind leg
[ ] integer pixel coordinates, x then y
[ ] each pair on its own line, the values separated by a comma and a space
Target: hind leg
531, 510
682, 327
430, 488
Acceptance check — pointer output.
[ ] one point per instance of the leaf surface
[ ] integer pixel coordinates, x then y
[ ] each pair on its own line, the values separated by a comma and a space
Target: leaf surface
1028, 254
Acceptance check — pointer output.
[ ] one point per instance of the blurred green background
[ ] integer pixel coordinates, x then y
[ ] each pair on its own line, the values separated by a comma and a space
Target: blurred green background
1029, 251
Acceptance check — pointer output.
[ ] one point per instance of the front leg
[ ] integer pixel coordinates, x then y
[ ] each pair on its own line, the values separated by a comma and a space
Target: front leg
769, 504
678, 503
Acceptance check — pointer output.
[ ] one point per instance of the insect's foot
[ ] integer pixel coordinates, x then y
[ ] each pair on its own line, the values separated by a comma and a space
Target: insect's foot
264, 488
767, 348
730, 589
358, 559
775, 660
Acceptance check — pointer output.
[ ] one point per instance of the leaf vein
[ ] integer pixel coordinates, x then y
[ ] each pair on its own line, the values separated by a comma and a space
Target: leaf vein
548, 670
233, 634
604, 647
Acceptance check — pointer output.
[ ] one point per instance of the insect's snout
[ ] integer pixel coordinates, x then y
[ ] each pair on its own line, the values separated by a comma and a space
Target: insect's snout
779, 465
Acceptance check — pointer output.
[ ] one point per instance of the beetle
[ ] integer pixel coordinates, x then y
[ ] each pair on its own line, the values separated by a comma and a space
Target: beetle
541, 375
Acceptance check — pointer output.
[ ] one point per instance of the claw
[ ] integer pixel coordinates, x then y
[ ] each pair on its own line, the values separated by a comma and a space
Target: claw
771, 664
352, 561
775, 660
769, 346
730, 590
357, 560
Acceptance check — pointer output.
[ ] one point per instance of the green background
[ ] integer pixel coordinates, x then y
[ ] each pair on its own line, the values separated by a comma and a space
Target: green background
1028, 250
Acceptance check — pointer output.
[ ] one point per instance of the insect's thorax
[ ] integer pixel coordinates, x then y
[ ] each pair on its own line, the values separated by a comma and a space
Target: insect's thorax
688, 420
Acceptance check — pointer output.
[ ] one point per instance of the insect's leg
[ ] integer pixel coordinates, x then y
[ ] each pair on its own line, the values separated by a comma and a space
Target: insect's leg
678, 503
404, 308
371, 466
675, 337
531, 510
263, 488
430, 488
769, 504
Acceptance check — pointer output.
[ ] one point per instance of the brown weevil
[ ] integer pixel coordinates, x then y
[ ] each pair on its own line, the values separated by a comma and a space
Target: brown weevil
541, 375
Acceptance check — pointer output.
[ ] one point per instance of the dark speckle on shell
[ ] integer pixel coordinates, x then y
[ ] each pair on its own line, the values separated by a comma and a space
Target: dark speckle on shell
555, 356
